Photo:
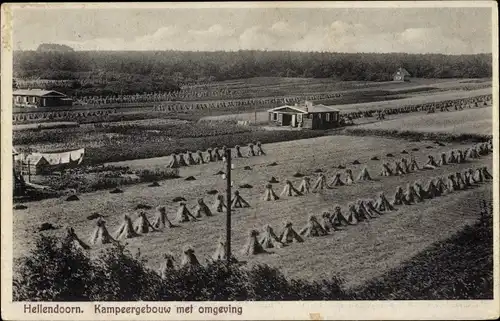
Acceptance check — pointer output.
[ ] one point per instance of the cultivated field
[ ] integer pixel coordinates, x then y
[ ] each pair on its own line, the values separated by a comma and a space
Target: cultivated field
468, 121
357, 253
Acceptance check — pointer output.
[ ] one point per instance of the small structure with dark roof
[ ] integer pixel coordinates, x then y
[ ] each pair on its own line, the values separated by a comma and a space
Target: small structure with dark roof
401, 75
40, 98
306, 115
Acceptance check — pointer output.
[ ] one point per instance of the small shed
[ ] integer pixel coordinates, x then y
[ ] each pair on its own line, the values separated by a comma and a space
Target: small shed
36, 164
401, 75
40, 98
306, 115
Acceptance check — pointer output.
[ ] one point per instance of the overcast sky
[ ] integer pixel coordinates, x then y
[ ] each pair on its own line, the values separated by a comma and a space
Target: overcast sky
436, 30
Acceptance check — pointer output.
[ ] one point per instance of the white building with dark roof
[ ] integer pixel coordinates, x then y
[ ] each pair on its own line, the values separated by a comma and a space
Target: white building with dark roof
305, 116
40, 98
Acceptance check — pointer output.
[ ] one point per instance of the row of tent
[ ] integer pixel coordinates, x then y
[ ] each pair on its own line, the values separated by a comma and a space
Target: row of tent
357, 212
213, 155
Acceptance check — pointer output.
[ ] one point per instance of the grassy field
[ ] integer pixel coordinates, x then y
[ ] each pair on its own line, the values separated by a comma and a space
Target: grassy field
356, 254
469, 121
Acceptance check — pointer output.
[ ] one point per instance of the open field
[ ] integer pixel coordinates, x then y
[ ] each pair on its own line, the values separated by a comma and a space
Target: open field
357, 253
469, 121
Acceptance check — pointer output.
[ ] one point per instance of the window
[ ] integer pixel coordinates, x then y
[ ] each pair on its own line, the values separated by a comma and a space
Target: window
299, 118
275, 116
327, 116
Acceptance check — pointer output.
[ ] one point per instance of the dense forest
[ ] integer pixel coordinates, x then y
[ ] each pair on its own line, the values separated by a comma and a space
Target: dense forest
163, 70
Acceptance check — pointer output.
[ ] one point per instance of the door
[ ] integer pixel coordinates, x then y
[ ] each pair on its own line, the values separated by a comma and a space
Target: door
294, 120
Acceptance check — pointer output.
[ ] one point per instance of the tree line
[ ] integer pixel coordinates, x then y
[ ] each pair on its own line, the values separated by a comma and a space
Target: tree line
157, 68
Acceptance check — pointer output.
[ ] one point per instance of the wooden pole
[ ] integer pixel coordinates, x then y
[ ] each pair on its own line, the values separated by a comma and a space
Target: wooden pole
228, 207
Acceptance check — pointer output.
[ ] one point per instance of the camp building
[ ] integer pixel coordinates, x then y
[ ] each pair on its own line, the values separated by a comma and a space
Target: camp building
401, 75
305, 115
40, 98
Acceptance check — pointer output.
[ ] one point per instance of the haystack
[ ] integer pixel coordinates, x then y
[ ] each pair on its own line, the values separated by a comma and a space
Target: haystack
210, 156
190, 159
289, 235
220, 253
126, 229
460, 157
431, 190
202, 209
386, 170
414, 165
352, 216
251, 151
337, 181
478, 176
166, 266
371, 208
442, 160
363, 213
252, 246
320, 183
313, 228
200, 159
143, 225
349, 180
337, 218
460, 180
399, 197
452, 183
364, 175
472, 153
411, 195
189, 259
405, 165
183, 214
101, 234
182, 161
260, 151
238, 201
161, 218
326, 222
467, 178
431, 163
219, 205
398, 170
270, 239
238, 151
290, 190
74, 240
420, 191
72, 198
441, 186
273, 180
486, 174
174, 162
452, 158
305, 185
219, 154
382, 204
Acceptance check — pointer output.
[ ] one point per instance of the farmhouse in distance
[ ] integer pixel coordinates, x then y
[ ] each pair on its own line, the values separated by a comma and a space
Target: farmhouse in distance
401, 75
305, 115
40, 98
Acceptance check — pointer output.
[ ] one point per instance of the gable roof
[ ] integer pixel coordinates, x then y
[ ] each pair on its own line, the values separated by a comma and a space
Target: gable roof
402, 71
311, 110
38, 93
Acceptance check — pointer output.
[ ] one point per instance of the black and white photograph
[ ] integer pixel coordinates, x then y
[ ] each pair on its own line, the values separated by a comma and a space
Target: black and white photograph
190, 160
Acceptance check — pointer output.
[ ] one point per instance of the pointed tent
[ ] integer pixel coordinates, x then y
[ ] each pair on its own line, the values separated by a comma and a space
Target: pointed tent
364, 175
289, 190
183, 214
174, 162
126, 229
161, 218
382, 204
313, 228
101, 234
320, 183
337, 181
289, 235
142, 225
252, 246
305, 185
202, 209
349, 180
238, 201
74, 240
219, 205
189, 259
270, 239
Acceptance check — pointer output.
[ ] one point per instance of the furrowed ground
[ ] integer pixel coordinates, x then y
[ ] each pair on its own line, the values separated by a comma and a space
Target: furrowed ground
357, 253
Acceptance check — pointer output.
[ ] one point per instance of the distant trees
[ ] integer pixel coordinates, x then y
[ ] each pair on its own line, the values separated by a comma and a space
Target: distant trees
161, 71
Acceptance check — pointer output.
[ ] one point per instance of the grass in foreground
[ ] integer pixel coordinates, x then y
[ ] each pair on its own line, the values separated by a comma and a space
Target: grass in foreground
460, 268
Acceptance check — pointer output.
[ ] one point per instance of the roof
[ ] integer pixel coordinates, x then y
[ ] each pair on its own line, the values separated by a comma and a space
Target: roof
302, 109
37, 92
403, 71
35, 159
